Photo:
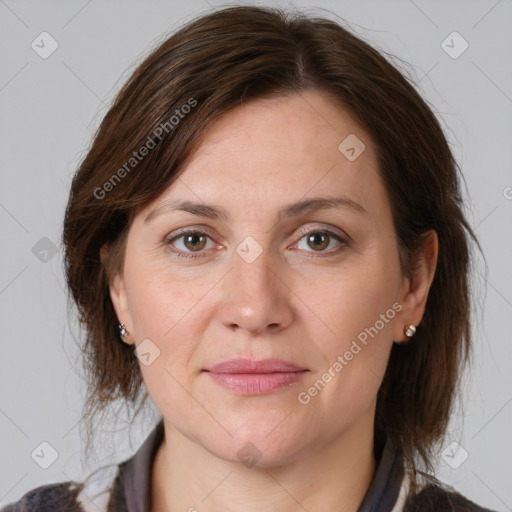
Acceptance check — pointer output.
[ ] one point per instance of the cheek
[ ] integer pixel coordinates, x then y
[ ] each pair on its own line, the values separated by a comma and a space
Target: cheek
359, 299
168, 307
152, 306
162, 308
157, 298
359, 307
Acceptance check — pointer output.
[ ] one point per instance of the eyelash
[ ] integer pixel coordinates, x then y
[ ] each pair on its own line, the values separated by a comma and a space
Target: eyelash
187, 254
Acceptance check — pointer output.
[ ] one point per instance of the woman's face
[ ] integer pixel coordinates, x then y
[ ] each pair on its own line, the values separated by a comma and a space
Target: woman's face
272, 276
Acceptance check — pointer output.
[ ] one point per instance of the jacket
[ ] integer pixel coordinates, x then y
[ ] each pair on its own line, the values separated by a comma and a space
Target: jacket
126, 487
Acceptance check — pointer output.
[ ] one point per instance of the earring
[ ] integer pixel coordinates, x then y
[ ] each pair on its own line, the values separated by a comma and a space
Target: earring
123, 333
409, 330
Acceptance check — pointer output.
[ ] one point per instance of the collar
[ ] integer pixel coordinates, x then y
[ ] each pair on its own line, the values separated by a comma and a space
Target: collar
132, 487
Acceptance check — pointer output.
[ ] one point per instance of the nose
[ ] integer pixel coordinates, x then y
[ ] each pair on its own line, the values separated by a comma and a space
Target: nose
255, 298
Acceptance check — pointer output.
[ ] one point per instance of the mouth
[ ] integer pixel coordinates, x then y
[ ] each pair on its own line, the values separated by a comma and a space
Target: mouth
243, 365
249, 377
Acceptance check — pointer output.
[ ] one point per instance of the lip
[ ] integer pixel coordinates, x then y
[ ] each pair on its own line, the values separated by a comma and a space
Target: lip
248, 377
243, 365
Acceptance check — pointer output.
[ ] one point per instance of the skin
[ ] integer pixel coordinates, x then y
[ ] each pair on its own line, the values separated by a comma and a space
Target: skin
295, 301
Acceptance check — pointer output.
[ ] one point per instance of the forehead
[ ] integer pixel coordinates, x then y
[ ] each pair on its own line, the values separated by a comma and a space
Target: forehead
271, 151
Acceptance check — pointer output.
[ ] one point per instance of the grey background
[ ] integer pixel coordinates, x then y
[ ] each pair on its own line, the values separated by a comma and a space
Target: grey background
50, 109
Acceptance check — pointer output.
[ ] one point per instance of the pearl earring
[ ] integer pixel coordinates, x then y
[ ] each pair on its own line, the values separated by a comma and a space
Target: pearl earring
123, 333
409, 330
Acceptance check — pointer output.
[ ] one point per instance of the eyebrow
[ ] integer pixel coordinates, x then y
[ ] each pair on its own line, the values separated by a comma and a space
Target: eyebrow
291, 210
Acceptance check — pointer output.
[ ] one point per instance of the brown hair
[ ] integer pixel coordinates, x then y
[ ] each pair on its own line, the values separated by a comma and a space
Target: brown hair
219, 61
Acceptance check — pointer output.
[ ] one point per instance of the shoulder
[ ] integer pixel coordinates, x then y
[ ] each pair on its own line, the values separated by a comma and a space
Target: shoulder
438, 499
91, 495
48, 498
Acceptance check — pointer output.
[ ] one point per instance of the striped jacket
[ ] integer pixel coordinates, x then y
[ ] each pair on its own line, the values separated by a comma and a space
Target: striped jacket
127, 488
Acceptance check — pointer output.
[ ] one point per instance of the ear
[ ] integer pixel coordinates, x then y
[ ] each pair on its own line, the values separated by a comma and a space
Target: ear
414, 291
118, 295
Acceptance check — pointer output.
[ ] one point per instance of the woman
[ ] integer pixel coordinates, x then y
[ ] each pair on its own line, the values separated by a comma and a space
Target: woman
267, 239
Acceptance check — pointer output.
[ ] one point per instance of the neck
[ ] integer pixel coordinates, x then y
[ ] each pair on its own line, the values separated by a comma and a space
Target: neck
334, 476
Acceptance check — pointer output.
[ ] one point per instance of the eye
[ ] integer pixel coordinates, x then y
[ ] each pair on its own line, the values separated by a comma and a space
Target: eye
320, 240
186, 243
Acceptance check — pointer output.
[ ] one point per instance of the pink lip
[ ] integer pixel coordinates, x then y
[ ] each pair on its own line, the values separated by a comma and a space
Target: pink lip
242, 365
247, 377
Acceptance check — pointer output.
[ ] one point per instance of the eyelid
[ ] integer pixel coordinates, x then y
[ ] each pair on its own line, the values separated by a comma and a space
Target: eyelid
327, 229
191, 229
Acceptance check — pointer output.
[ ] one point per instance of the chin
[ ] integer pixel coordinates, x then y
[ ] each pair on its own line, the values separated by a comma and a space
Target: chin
256, 448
